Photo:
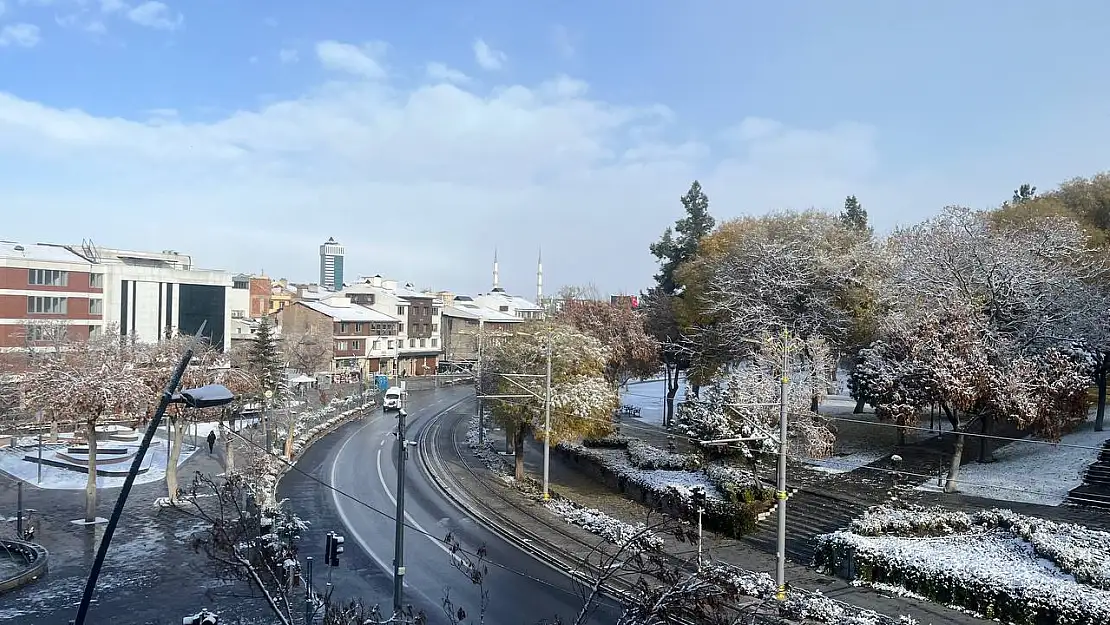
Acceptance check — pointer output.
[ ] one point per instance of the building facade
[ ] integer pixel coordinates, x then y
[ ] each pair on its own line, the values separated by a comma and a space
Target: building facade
331, 265
465, 324
87, 289
419, 314
363, 340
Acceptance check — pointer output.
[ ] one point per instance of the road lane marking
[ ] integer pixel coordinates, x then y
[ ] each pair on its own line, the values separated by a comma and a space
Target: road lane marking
417, 526
343, 516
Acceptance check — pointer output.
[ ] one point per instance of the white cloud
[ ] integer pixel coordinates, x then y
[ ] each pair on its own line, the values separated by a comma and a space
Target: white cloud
112, 6
352, 59
289, 55
440, 72
563, 41
421, 182
156, 15
487, 57
19, 35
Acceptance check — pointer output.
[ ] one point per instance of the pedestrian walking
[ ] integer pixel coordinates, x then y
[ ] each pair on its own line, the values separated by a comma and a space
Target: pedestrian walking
211, 441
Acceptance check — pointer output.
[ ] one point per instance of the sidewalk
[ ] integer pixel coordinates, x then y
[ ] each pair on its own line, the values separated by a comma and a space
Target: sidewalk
569, 483
151, 574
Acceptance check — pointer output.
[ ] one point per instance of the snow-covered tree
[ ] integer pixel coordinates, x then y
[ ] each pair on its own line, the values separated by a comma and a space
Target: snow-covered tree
207, 366
86, 381
633, 353
745, 402
582, 400
266, 359
785, 271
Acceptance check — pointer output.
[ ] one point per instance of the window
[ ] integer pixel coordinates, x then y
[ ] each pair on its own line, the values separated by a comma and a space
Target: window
402, 329
343, 327
356, 345
423, 342
238, 314
46, 305
358, 328
96, 330
240, 284
96, 306
435, 311
47, 277
400, 310
377, 345
96, 281
503, 308
389, 345
435, 342
435, 327
341, 346
412, 342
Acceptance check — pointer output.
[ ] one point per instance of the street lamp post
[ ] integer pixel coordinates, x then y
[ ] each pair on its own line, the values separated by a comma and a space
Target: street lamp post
211, 396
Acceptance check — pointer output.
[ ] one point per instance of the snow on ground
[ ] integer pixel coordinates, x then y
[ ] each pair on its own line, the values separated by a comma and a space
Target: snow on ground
13, 464
1031, 472
648, 396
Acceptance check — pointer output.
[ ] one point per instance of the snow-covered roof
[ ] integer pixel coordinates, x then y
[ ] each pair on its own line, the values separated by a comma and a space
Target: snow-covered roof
350, 312
470, 310
39, 251
514, 302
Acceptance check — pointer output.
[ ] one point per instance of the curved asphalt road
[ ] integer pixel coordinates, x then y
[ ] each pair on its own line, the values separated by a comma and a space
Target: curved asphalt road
365, 467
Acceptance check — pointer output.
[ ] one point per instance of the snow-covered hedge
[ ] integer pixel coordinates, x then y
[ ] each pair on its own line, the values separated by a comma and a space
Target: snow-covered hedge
644, 456
494, 461
615, 531
1003, 565
309, 436
729, 512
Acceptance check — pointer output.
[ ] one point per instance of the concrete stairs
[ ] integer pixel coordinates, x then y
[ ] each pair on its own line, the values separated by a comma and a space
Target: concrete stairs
808, 514
1095, 490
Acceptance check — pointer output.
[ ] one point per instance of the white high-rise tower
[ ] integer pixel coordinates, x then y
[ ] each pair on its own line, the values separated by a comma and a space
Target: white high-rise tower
331, 265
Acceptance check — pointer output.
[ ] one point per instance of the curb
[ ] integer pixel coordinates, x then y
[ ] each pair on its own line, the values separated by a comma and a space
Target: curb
287, 465
36, 557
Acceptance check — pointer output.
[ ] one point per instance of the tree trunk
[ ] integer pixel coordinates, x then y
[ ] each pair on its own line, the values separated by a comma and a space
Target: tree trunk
229, 451
986, 454
1101, 381
954, 468
90, 484
289, 428
672, 390
175, 443
901, 434
518, 449
860, 401
54, 430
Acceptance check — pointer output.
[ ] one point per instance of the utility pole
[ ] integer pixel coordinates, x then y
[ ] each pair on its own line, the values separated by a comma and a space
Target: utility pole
478, 387
780, 562
547, 424
399, 519
308, 591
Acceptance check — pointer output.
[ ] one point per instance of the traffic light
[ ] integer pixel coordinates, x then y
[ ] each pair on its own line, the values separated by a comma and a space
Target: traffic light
333, 546
698, 496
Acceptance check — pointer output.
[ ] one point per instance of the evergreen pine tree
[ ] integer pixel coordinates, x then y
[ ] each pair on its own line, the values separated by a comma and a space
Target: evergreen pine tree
854, 217
265, 359
680, 244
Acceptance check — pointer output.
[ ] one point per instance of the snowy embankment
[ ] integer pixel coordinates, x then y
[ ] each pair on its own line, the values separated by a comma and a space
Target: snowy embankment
1031, 472
996, 563
799, 605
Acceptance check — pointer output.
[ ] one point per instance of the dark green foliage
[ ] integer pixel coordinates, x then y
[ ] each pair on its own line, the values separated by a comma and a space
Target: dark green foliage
854, 217
265, 361
680, 243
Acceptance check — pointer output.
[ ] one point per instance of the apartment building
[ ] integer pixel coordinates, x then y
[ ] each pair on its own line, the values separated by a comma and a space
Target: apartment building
250, 296
464, 321
47, 288
419, 315
363, 339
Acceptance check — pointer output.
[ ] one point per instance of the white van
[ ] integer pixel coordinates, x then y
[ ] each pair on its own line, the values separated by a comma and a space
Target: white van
392, 398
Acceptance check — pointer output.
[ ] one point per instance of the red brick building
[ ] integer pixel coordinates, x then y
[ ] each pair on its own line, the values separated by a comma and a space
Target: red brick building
47, 293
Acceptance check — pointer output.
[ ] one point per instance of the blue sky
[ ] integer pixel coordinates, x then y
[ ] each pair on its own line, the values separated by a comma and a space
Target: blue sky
273, 125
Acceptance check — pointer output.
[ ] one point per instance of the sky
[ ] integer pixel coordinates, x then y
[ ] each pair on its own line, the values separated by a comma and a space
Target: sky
423, 135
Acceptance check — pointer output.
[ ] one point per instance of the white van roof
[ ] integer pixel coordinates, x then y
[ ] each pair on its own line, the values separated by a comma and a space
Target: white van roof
394, 390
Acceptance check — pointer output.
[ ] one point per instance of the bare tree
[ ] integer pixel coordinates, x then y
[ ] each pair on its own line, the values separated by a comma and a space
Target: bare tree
89, 380
308, 351
633, 353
